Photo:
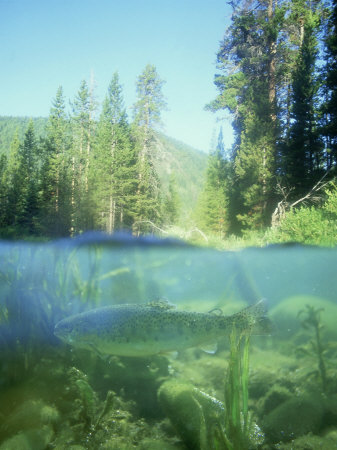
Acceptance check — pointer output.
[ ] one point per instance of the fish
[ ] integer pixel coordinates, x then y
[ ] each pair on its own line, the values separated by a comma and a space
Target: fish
155, 327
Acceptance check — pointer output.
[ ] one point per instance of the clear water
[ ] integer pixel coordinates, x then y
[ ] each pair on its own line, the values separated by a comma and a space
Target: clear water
52, 396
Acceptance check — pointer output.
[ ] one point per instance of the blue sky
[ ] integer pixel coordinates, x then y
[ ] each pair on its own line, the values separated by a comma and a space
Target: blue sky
45, 44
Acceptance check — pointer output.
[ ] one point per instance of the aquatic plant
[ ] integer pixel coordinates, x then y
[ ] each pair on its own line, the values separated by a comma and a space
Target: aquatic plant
240, 430
86, 279
89, 411
37, 284
235, 429
236, 390
312, 320
25, 322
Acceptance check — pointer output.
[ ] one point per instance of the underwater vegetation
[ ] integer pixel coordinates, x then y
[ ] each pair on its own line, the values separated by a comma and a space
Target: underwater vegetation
207, 423
312, 320
256, 392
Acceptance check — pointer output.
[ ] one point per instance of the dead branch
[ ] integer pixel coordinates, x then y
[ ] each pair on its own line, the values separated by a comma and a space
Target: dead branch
195, 229
154, 226
283, 206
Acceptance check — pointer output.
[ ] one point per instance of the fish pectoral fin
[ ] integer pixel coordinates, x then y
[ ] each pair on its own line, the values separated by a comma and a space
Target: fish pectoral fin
209, 348
94, 349
173, 354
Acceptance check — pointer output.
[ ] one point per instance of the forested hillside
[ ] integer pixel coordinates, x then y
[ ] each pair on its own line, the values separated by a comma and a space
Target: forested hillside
93, 167
9, 126
172, 159
69, 173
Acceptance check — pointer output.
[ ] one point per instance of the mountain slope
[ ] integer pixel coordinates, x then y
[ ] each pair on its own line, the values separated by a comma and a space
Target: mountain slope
171, 156
10, 125
188, 166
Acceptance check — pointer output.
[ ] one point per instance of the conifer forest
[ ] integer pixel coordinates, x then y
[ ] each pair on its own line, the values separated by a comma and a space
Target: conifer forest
92, 167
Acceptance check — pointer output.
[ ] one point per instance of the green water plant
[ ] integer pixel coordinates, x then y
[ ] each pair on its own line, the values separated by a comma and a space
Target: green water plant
236, 391
240, 430
89, 410
236, 428
311, 319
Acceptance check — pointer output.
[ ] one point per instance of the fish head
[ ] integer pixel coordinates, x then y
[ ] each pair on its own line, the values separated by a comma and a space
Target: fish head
73, 331
65, 330
81, 330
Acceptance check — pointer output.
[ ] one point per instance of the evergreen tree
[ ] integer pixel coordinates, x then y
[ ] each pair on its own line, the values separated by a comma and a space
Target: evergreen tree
248, 58
151, 102
147, 115
171, 205
330, 106
270, 86
12, 184
82, 120
55, 176
212, 209
26, 185
303, 155
125, 177
114, 169
3, 192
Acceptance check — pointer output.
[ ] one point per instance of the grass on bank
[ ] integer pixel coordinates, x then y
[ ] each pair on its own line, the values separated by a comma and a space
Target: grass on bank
308, 224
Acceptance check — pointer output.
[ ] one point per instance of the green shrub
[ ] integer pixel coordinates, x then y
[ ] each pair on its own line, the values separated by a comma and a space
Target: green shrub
310, 225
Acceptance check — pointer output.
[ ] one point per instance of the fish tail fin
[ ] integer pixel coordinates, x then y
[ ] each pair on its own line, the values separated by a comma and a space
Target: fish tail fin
253, 319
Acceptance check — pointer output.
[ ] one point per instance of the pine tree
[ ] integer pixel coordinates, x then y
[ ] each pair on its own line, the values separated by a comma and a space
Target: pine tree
3, 192
55, 173
171, 204
12, 184
248, 56
26, 185
147, 115
329, 108
303, 155
82, 120
212, 209
114, 165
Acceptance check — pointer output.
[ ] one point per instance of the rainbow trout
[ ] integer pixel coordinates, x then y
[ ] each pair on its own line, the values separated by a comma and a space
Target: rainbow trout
157, 327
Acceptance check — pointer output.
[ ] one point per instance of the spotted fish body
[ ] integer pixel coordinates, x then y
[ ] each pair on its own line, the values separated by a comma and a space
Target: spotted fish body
143, 330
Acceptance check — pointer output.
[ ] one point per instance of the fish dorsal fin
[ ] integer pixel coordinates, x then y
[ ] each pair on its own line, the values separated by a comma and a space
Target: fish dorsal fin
209, 348
161, 303
216, 311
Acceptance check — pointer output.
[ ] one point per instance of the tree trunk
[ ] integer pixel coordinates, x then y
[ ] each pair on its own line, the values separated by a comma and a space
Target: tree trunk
112, 214
72, 221
272, 65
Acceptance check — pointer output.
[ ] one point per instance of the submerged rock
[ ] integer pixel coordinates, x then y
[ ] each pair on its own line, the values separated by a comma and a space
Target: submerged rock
273, 399
34, 439
330, 417
192, 412
153, 444
310, 442
294, 418
31, 414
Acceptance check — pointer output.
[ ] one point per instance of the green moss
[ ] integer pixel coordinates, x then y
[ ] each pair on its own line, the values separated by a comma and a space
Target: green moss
29, 415
294, 418
310, 442
153, 444
33, 439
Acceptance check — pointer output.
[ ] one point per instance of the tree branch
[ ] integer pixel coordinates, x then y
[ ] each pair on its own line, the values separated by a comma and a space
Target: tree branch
283, 206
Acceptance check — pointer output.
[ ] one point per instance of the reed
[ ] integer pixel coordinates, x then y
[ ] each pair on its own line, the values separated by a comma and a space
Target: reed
237, 422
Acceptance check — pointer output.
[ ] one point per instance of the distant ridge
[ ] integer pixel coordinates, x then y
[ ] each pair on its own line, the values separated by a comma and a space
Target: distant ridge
10, 124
